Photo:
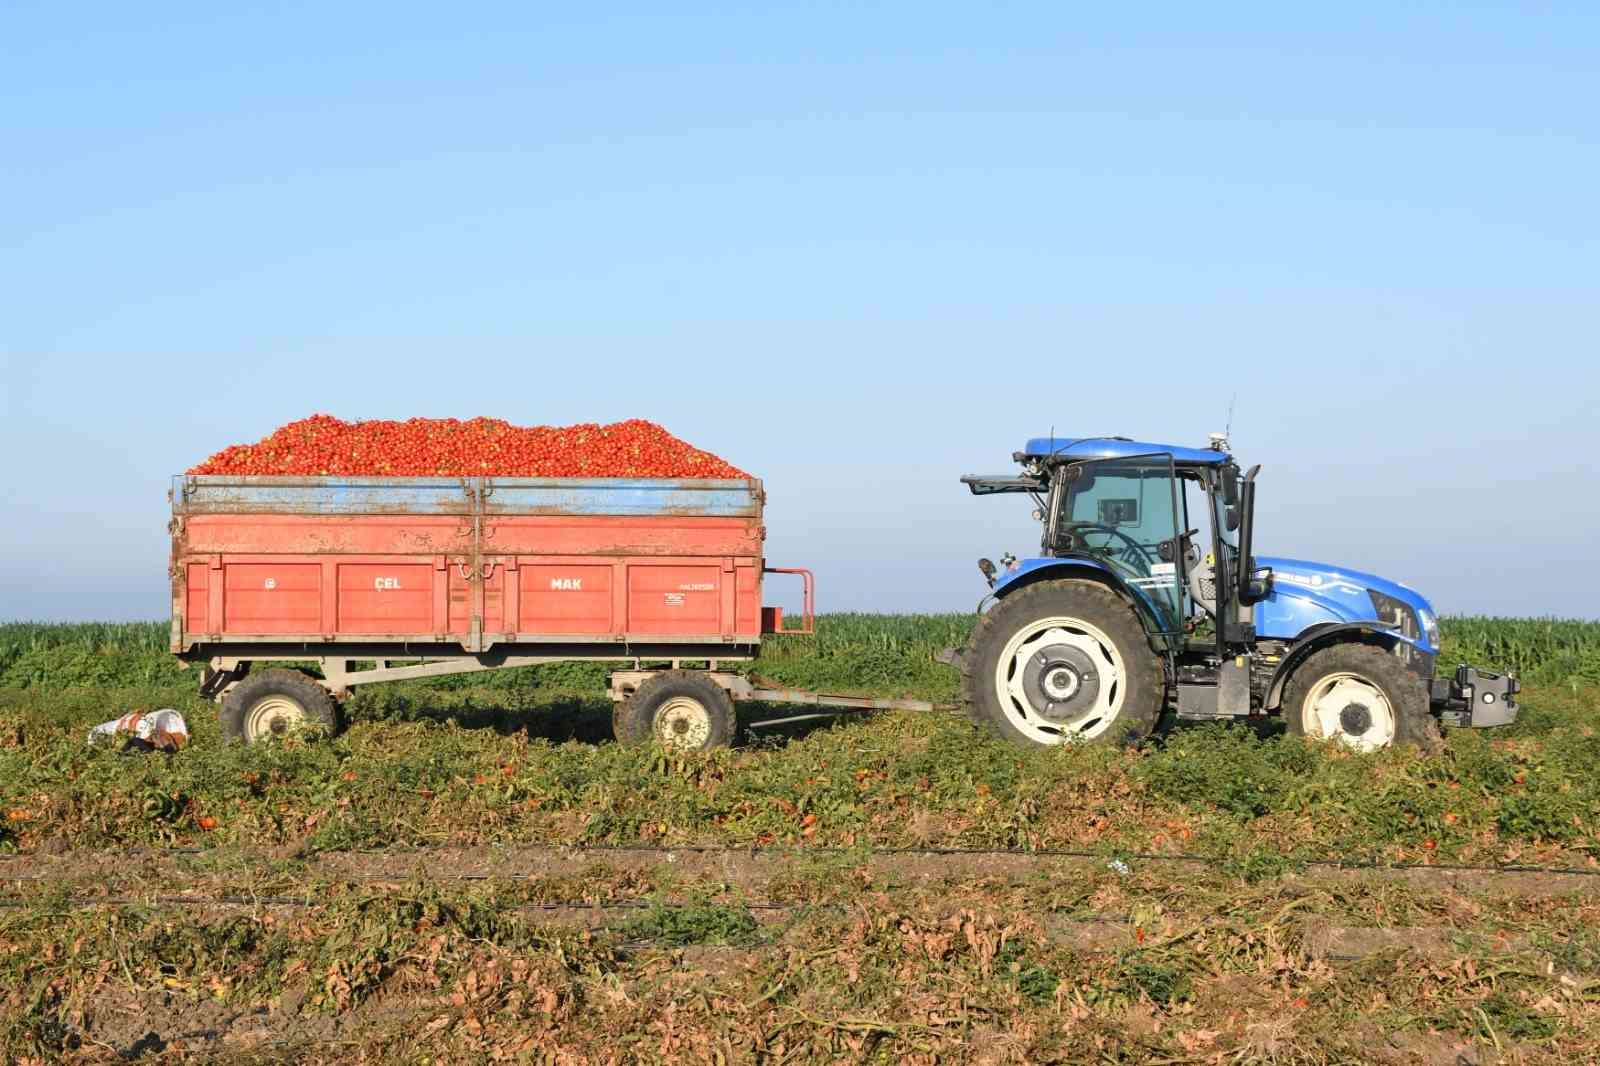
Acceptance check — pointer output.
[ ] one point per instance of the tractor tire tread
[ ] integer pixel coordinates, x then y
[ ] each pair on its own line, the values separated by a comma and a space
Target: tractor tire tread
633, 720
1414, 723
319, 705
1094, 602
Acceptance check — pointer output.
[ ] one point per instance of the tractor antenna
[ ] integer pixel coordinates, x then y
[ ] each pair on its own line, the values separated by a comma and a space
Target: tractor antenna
1223, 442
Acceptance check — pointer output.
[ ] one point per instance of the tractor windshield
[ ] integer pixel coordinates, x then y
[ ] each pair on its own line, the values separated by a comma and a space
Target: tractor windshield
1123, 513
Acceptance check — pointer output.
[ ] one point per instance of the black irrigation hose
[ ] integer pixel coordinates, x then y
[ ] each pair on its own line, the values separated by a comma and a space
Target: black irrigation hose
169, 901
766, 850
1027, 853
236, 900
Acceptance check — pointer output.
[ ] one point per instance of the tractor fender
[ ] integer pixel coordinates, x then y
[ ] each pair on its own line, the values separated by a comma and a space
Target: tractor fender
1321, 637
1034, 571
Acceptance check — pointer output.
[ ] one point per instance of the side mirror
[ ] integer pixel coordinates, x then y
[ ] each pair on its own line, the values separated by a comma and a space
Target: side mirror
986, 568
1231, 517
1230, 488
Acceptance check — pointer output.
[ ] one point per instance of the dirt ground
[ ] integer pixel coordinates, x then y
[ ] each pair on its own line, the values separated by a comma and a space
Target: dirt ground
870, 954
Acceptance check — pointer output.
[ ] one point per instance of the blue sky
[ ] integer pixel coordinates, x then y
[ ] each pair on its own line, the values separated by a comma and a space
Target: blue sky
857, 249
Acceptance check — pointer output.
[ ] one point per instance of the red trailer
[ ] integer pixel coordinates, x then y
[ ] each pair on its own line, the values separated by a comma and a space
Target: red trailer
385, 579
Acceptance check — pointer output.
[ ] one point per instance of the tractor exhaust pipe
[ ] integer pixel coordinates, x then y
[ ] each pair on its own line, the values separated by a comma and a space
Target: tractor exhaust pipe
1247, 528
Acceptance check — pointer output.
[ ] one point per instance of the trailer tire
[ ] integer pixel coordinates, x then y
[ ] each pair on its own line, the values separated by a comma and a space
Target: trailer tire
1099, 680
678, 709
1362, 696
275, 702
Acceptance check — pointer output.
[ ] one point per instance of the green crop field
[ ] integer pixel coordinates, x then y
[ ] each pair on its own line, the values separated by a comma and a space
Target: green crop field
473, 872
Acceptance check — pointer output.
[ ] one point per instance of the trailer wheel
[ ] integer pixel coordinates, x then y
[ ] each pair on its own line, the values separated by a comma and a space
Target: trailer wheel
1362, 697
677, 709
1063, 661
275, 703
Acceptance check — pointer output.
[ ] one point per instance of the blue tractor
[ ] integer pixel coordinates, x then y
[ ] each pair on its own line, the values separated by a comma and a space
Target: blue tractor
1146, 599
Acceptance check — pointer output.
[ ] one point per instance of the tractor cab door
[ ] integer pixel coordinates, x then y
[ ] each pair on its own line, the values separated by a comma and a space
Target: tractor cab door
1124, 513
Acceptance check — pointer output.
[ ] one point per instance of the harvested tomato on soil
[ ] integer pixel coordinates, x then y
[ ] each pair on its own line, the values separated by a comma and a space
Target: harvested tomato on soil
479, 447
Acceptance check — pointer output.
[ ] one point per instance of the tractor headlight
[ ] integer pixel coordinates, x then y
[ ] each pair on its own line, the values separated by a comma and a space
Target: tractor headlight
1389, 609
1430, 627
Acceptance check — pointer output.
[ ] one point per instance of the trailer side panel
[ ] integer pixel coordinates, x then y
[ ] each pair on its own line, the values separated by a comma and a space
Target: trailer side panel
475, 563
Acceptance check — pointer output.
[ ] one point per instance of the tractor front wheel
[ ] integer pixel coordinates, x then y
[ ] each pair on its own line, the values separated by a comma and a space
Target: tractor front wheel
1064, 661
1361, 696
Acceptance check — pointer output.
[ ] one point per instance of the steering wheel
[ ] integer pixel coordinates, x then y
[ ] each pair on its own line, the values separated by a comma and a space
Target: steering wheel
1136, 555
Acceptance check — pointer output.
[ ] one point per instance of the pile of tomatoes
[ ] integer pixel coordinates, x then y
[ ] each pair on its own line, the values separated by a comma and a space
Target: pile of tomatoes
479, 447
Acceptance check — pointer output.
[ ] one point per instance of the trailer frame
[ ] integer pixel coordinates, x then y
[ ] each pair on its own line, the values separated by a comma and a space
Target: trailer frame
340, 674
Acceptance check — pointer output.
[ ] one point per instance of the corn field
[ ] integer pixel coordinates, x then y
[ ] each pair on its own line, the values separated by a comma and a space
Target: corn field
866, 652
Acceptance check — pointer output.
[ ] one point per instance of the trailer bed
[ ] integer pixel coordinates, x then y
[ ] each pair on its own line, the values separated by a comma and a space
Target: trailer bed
553, 567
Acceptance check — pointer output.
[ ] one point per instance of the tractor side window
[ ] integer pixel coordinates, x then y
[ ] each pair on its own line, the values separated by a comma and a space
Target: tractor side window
1197, 510
1200, 560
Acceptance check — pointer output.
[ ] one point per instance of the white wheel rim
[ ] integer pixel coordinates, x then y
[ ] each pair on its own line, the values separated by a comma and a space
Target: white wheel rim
1350, 709
683, 722
274, 715
1074, 718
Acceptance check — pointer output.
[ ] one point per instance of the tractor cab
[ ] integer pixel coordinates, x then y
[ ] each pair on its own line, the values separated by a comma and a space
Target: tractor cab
1160, 537
1169, 523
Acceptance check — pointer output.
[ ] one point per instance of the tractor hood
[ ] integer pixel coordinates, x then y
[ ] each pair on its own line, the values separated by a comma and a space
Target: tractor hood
1306, 594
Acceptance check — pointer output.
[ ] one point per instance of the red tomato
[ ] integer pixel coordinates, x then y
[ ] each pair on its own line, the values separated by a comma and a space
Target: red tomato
448, 447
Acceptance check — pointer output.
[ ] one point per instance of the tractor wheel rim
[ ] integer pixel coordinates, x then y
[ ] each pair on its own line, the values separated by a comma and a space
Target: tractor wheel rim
683, 722
1351, 709
1075, 689
273, 716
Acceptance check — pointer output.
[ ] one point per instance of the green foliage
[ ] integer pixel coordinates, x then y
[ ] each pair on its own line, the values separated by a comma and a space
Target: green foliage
1226, 767
693, 923
1144, 975
1541, 815
1258, 864
1576, 949
1538, 649
1500, 1016
850, 653
48, 655
1036, 981
523, 756
883, 654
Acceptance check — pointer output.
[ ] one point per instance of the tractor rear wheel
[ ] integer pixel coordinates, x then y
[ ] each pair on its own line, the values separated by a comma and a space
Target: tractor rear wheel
1064, 661
1361, 696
